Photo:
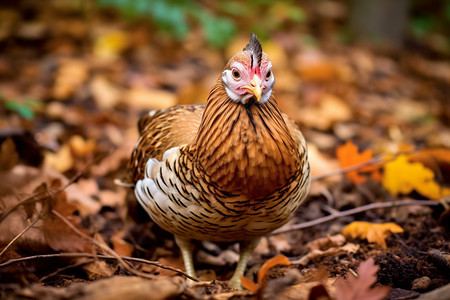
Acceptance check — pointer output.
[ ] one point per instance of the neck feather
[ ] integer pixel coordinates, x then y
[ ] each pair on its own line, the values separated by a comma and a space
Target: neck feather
245, 149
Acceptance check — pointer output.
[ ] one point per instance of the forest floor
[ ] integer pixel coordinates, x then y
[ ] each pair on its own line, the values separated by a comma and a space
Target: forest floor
71, 93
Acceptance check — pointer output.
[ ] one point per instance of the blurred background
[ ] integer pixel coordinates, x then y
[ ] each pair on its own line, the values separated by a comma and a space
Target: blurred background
373, 70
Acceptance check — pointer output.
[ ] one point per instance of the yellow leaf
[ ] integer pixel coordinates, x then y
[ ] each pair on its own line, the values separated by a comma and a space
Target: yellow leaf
61, 161
402, 177
348, 156
110, 44
372, 232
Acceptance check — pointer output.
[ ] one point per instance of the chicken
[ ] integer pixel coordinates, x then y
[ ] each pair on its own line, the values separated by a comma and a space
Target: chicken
232, 170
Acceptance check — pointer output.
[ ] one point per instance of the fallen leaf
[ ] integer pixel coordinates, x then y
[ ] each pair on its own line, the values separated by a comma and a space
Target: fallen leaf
121, 246
58, 234
99, 269
263, 272
315, 66
143, 98
402, 177
317, 255
61, 161
69, 78
80, 146
110, 44
436, 159
320, 163
355, 288
8, 155
373, 232
330, 110
106, 95
348, 155
249, 284
326, 242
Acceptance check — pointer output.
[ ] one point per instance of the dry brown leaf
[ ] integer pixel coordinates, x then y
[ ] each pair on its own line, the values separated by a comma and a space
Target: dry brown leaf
361, 288
373, 232
170, 261
320, 163
113, 161
330, 110
8, 155
99, 269
58, 234
70, 76
121, 246
327, 242
112, 198
143, 98
317, 254
106, 95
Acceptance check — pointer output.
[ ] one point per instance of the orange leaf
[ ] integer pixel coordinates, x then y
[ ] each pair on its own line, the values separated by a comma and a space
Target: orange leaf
348, 156
361, 287
248, 284
274, 261
374, 233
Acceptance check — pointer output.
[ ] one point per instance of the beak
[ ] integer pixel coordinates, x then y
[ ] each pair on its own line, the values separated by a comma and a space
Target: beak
255, 87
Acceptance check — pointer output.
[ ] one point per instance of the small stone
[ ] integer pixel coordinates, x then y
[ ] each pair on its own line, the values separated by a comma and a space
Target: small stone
421, 284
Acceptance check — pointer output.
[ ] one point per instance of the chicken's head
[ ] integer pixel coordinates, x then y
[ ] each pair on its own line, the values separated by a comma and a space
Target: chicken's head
248, 76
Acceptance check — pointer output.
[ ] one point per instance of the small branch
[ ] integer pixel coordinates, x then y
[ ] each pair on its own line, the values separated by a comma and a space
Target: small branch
109, 250
36, 197
375, 160
20, 234
352, 212
78, 264
89, 255
102, 246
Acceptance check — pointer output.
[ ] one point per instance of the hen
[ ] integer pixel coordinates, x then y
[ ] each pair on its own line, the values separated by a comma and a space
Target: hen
234, 169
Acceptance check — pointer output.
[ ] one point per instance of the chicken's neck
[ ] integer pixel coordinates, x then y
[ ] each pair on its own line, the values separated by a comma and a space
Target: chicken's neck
245, 149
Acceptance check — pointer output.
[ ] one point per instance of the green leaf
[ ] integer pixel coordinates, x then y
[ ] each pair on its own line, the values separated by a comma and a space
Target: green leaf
21, 109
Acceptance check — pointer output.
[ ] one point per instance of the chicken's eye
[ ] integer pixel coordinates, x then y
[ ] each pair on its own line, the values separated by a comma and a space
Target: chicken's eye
268, 74
236, 74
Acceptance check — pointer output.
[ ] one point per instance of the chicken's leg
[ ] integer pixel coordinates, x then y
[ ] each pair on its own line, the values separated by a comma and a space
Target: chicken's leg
185, 246
246, 250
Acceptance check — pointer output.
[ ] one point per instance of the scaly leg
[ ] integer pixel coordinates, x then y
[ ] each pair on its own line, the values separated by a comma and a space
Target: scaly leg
246, 250
185, 246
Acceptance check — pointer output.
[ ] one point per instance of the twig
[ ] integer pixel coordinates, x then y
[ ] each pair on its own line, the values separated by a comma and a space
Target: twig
78, 264
100, 256
36, 197
20, 234
108, 250
373, 161
103, 247
354, 211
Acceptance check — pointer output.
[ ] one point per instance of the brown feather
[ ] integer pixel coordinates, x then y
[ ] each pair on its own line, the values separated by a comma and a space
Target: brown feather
161, 131
238, 158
